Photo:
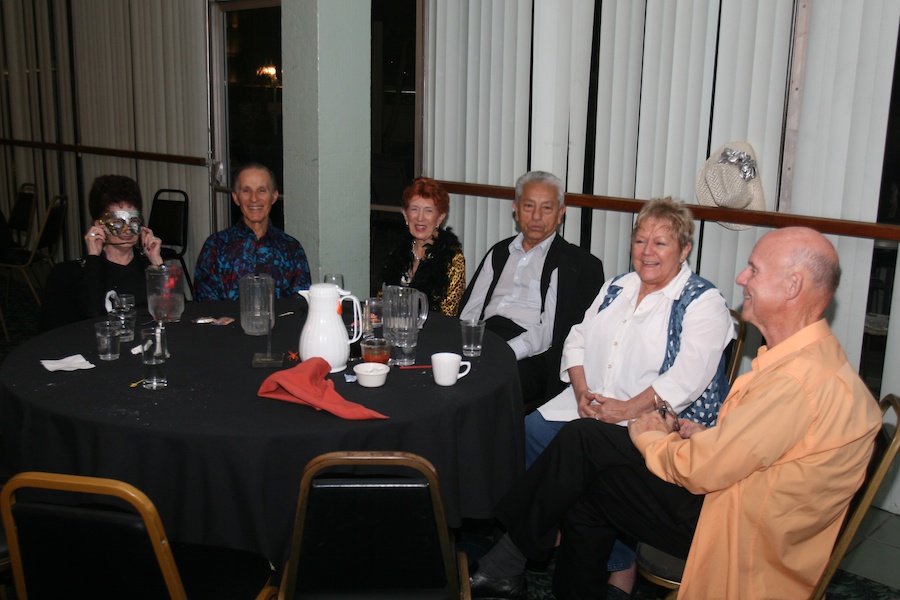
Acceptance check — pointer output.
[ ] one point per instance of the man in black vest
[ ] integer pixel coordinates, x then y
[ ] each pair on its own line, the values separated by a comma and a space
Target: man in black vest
532, 288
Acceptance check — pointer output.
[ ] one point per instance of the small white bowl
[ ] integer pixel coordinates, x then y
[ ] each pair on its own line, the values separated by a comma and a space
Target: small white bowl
371, 374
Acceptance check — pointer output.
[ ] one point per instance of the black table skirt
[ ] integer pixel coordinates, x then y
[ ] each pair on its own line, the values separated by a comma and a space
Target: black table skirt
222, 464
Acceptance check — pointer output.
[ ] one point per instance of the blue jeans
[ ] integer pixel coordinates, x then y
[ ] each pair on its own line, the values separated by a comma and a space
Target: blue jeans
538, 434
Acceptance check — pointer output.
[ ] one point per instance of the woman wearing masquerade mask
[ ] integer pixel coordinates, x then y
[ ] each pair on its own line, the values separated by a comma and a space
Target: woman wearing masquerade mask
117, 250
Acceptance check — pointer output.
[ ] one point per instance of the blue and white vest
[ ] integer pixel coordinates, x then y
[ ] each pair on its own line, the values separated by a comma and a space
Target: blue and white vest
705, 409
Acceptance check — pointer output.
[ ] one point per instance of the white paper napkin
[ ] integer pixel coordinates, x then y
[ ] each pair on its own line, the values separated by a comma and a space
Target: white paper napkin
70, 363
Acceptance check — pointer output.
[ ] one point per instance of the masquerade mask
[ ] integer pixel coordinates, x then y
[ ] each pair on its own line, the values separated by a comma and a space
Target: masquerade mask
117, 221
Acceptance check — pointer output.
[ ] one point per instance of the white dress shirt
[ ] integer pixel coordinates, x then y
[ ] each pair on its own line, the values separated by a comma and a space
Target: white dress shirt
517, 296
623, 346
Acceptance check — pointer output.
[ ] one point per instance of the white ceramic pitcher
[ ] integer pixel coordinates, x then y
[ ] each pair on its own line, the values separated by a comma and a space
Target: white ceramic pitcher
324, 333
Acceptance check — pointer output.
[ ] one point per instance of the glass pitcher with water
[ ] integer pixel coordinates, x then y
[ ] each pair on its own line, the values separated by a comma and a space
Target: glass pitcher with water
403, 308
404, 311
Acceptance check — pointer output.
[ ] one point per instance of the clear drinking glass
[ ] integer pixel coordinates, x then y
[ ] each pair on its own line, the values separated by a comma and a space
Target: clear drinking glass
107, 340
153, 355
472, 336
372, 318
124, 301
335, 278
165, 293
375, 350
126, 319
124, 313
405, 341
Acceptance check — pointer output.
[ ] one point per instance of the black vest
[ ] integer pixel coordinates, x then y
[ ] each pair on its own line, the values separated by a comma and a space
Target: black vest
498, 262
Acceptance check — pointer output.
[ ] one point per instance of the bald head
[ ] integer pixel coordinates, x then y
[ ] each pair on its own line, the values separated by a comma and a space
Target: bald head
792, 276
809, 251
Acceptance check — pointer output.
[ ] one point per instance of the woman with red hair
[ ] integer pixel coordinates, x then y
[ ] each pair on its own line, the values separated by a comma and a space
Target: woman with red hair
428, 258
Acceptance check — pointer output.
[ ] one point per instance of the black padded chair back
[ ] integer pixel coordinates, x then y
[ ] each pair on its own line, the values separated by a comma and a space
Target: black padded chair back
21, 215
378, 532
169, 218
52, 228
169, 222
375, 524
72, 536
70, 551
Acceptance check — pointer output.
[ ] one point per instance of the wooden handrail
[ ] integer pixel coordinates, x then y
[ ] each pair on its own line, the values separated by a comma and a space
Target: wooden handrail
196, 161
874, 231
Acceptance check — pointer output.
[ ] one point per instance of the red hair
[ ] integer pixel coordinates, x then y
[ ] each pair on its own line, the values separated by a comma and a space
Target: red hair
430, 189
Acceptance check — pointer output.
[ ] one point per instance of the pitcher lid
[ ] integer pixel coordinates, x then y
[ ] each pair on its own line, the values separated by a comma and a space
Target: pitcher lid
324, 290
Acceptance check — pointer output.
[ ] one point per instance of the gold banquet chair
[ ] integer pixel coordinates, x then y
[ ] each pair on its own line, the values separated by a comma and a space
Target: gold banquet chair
375, 528
5, 565
736, 347
666, 570
886, 447
113, 547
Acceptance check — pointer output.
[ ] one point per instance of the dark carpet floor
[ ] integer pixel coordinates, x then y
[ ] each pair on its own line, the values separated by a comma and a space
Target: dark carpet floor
21, 315
844, 586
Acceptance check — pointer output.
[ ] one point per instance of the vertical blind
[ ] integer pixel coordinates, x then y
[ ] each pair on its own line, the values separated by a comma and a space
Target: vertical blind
478, 72
30, 90
674, 82
142, 73
128, 76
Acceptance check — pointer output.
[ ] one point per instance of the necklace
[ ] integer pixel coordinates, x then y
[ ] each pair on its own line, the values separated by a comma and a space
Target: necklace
415, 255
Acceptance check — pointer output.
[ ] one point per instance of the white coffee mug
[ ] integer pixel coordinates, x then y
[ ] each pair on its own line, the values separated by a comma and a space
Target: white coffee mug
445, 367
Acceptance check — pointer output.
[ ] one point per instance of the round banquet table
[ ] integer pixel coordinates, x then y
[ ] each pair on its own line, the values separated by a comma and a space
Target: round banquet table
223, 465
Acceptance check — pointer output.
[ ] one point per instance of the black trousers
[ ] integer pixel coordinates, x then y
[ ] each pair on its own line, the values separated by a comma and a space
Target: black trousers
539, 379
591, 483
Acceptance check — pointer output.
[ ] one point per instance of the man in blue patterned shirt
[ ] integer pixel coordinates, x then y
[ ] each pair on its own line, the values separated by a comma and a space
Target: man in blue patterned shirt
252, 245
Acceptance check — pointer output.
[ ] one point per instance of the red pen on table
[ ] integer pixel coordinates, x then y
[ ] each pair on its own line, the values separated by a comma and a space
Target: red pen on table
415, 367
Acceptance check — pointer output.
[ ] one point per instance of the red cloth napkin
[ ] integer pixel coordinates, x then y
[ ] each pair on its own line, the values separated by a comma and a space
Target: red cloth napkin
306, 384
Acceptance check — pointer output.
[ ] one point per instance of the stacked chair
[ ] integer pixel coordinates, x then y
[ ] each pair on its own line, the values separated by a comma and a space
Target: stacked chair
25, 259
21, 215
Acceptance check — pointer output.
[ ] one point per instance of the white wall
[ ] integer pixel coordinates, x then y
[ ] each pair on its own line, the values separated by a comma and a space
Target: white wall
325, 53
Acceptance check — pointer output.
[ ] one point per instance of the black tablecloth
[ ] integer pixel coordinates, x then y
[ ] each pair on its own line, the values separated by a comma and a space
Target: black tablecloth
222, 464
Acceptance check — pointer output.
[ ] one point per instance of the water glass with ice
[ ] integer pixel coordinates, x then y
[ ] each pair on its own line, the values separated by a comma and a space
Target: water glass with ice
153, 355
107, 340
404, 341
472, 336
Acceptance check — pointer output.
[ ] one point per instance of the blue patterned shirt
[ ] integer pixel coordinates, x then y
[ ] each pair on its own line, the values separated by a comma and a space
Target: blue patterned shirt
232, 253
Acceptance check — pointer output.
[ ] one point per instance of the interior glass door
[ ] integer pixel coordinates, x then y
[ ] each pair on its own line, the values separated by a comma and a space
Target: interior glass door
245, 112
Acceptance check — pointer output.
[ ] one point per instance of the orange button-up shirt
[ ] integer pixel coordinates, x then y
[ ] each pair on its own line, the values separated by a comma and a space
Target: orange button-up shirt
791, 447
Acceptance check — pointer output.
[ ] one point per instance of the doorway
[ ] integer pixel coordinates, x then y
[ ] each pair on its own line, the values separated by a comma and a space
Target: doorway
246, 93
394, 91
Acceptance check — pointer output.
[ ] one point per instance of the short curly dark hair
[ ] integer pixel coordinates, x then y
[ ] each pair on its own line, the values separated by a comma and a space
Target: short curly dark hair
113, 189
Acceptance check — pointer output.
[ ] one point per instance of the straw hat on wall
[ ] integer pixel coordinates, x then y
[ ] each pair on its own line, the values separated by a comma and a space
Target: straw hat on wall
730, 179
